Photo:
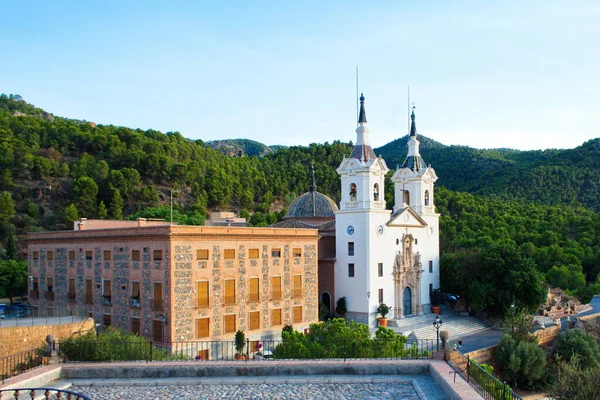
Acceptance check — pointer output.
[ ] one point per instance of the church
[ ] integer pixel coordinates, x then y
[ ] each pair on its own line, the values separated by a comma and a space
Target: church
367, 253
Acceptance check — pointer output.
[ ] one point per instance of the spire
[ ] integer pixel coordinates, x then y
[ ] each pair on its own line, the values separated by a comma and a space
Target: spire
413, 126
362, 116
313, 185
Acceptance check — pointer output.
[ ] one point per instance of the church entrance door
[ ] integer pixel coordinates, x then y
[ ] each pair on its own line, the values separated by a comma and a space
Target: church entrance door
407, 296
326, 300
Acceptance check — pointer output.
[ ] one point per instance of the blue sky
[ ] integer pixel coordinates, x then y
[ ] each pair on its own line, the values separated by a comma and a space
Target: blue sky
518, 74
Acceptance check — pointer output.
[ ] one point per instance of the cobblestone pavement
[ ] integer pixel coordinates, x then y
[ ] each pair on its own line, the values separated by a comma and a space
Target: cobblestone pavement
340, 387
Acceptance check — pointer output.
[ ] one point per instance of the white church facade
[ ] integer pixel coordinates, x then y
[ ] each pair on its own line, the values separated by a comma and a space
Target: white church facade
386, 256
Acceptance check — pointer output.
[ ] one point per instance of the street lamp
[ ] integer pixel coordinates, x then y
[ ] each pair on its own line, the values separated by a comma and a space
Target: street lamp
437, 324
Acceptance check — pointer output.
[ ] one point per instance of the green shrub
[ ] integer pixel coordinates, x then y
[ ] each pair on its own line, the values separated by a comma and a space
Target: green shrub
577, 343
521, 362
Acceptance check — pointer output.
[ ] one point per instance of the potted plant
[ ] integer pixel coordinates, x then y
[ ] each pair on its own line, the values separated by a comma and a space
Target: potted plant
383, 310
240, 343
436, 298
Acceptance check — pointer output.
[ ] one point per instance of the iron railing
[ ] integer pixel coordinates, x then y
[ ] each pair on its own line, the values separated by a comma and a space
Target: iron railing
143, 350
488, 386
48, 393
18, 363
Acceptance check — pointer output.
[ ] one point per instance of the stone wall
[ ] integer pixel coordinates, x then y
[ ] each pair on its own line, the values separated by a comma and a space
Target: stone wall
15, 339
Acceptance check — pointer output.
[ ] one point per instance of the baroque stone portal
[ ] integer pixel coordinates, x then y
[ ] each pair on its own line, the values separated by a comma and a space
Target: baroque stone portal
407, 274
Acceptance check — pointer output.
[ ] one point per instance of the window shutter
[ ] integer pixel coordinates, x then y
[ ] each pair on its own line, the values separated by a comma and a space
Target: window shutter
202, 289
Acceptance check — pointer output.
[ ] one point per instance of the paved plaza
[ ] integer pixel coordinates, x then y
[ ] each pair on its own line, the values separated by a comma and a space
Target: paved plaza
417, 387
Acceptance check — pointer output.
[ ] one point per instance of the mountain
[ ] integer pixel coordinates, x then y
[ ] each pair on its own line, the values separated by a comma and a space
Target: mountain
554, 177
241, 147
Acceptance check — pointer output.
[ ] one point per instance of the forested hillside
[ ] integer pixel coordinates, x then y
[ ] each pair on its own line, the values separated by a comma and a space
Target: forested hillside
550, 176
54, 170
241, 147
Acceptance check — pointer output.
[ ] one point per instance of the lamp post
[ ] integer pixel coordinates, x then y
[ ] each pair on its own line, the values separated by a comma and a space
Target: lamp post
437, 324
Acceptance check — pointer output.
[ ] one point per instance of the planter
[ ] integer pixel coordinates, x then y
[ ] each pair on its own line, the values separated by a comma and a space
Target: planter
240, 357
435, 309
382, 321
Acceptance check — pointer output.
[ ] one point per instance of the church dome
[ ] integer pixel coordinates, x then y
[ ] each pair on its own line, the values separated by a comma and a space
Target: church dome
312, 205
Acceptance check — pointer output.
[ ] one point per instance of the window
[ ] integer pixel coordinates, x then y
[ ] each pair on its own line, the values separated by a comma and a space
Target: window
202, 254
229, 291
297, 311
157, 255
106, 320
107, 292
135, 294
427, 197
135, 326
89, 292
72, 255
36, 255
50, 282
254, 320
297, 285
229, 254
276, 317
350, 270
135, 255
202, 290
297, 252
158, 297
380, 269
407, 197
430, 289
202, 328
254, 289
276, 288
229, 323
430, 266
380, 296
158, 330
275, 253
50, 255
352, 192
35, 283
89, 255
107, 255
253, 253
376, 192
350, 248
72, 295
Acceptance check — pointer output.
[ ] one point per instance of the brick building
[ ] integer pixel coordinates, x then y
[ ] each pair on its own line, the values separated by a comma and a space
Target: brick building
178, 283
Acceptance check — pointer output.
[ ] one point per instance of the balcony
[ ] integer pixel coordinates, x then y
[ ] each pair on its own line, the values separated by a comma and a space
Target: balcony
34, 294
72, 297
49, 296
107, 300
135, 302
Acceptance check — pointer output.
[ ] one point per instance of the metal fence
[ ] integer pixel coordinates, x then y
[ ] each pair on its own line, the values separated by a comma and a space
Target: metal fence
47, 393
18, 363
74, 351
484, 383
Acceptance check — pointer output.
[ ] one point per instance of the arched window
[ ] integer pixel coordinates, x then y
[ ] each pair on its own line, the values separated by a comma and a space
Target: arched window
352, 192
427, 197
407, 197
376, 192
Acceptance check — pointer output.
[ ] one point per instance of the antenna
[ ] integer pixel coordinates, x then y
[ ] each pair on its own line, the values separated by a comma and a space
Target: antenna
357, 96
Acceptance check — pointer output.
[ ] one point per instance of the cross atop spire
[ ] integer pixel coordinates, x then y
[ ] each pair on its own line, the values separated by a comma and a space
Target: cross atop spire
413, 126
362, 116
313, 185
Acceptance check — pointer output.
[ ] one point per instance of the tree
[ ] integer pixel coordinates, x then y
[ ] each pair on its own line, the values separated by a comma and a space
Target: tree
11, 243
7, 208
116, 205
574, 382
576, 343
71, 214
521, 362
13, 278
102, 213
85, 191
